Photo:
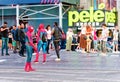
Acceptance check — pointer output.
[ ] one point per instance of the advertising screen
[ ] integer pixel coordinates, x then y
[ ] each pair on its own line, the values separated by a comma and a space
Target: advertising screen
94, 17
109, 4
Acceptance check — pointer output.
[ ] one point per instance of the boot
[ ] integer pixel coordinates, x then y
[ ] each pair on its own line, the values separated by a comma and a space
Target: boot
30, 67
44, 58
37, 58
27, 67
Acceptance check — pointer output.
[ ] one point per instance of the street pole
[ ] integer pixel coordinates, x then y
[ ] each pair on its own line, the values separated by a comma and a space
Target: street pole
2, 15
17, 15
60, 15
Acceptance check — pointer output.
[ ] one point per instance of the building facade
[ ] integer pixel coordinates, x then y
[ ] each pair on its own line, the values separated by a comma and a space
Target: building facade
110, 5
36, 11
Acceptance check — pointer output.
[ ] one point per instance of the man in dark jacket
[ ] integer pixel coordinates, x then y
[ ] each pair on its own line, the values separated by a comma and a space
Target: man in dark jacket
56, 32
21, 35
4, 32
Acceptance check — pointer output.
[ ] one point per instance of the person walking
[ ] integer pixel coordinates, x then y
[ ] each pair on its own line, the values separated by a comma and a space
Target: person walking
49, 37
56, 32
4, 31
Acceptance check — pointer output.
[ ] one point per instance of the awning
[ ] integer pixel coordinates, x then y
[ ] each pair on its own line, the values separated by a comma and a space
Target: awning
14, 2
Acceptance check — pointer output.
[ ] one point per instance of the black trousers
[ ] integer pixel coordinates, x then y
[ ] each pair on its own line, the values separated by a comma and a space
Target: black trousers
23, 47
57, 45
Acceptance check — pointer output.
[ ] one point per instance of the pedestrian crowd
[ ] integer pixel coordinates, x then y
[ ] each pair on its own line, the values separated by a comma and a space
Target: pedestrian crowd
24, 39
88, 40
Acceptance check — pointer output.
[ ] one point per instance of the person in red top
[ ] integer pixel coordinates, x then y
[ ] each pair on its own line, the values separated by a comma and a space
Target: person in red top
95, 38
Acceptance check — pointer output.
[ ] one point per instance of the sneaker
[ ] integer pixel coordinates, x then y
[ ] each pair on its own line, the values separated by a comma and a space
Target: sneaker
34, 53
78, 50
103, 54
113, 51
67, 50
7, 54
14, 51
43, 62
83, 52
117, 52
22, 55
48, 53
36, 61
57, 59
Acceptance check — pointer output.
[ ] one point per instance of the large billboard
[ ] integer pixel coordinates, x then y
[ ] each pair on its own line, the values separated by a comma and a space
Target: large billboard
93, 17
109, 4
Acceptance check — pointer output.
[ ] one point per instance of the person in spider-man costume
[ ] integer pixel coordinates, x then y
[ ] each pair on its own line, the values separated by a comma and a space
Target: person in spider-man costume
41, 44
29, 47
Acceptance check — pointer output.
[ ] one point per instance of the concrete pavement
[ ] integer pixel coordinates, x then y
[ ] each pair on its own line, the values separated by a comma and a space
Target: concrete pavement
73, 67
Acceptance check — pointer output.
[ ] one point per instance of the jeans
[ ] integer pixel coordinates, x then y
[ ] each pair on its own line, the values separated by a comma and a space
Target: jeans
57, 45
49, 40
29, 53
95, 44
103, 46
18, 45
42, 45
4, 45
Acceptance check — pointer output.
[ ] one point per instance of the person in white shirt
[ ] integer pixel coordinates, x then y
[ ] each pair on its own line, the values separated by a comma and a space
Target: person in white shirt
104, 37
49, 37
115, 39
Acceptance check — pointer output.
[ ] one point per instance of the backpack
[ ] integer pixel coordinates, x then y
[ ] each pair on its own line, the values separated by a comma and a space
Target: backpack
44, 37
63, 36
57, 33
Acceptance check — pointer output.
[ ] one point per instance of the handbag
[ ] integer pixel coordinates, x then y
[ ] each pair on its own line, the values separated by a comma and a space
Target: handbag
63, 36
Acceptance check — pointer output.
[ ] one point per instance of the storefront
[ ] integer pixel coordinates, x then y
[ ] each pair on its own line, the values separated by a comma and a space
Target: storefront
93, 17
36, 12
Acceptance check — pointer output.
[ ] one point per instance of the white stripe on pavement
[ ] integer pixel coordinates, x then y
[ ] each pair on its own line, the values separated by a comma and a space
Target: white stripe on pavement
2, 60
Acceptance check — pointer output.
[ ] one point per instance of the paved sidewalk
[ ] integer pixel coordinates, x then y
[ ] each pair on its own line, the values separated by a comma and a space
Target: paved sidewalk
73, 67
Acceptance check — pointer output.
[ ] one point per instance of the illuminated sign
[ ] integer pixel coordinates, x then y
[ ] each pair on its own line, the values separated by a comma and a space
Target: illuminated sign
92, 16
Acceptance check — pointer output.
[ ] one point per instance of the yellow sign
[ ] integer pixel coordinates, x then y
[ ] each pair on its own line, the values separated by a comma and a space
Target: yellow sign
92, 16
